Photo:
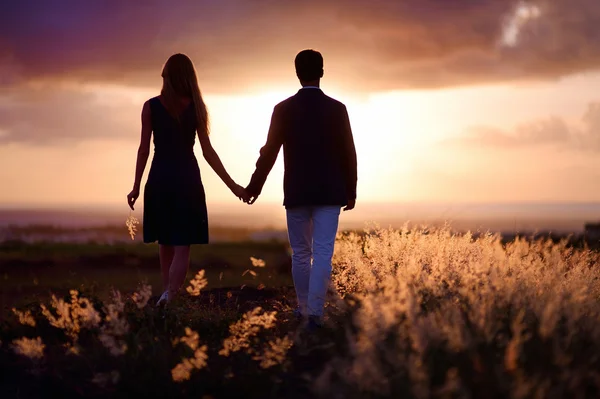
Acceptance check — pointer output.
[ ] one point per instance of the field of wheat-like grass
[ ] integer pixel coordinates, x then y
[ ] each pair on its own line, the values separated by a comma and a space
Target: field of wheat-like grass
413, 313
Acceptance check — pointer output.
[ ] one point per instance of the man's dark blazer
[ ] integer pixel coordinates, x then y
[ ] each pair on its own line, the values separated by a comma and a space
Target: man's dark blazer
318, 151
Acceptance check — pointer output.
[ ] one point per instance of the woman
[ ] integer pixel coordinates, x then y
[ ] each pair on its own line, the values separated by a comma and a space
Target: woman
174, 202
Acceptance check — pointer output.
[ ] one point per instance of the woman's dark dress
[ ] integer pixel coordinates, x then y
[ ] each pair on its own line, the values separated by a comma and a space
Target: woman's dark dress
174, 200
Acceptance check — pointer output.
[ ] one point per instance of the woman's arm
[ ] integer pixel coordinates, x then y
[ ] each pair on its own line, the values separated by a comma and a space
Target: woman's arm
212, 158
142, 154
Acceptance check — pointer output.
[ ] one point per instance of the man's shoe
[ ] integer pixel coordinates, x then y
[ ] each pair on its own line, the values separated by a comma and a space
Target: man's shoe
314, 323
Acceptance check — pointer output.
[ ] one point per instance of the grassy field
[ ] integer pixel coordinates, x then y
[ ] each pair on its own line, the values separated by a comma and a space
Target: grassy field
411, 314
31, 272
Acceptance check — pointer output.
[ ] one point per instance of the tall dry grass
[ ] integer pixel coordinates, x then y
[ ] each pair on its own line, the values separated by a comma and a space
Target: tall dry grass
414, 313
431, 313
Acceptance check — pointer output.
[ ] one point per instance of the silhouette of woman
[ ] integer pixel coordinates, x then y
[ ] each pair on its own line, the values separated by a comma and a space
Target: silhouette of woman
175, 212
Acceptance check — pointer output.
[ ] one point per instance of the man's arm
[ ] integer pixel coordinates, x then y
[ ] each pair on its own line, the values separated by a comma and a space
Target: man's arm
350, 168
268, 156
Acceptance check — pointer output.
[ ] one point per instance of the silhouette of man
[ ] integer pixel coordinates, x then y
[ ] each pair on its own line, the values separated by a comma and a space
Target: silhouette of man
320, 178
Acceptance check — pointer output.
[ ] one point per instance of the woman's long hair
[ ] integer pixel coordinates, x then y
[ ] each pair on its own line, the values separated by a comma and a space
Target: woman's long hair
179, 80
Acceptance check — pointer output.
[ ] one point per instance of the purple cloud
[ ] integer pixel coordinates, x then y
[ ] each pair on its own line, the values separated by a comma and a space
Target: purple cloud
380, 44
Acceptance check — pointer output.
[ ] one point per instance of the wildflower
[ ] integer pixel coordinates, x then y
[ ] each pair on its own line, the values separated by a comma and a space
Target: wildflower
115, 346
105, 379
25, 318
242, 331
72, 316
257, 262
33, 348
197, 284
73, 349
182, 371
131, 224
191, 339
200, 357
274, 352
115, 327
142, 297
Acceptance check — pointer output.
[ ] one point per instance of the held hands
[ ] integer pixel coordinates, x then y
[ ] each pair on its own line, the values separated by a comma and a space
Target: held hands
252, 200
241, 193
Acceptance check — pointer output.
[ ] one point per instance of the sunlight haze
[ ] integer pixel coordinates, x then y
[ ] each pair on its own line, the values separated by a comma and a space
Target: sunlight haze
409, 144
490, 112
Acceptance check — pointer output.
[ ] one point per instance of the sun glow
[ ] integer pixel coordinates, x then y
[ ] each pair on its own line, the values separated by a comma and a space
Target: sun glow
388, 131
405, 141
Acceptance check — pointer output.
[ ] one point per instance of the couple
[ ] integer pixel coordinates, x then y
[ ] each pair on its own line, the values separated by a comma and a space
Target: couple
320, 175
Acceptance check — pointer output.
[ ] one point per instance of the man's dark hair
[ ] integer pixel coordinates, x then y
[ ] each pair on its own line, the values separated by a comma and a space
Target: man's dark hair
309, 65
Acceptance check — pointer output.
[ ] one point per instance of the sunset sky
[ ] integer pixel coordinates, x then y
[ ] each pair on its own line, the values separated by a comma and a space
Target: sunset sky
453, 101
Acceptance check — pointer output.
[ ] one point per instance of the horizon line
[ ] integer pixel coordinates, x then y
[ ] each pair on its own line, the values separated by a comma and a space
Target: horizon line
64, 206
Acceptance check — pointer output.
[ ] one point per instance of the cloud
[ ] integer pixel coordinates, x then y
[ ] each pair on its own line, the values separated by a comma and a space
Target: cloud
236, 44
50, 52
65, 116
583, 136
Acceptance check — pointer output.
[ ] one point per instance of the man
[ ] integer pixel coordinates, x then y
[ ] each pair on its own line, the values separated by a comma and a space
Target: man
320, 179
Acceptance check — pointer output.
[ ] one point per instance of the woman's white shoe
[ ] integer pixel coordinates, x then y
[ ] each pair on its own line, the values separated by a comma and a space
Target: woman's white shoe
163, 298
